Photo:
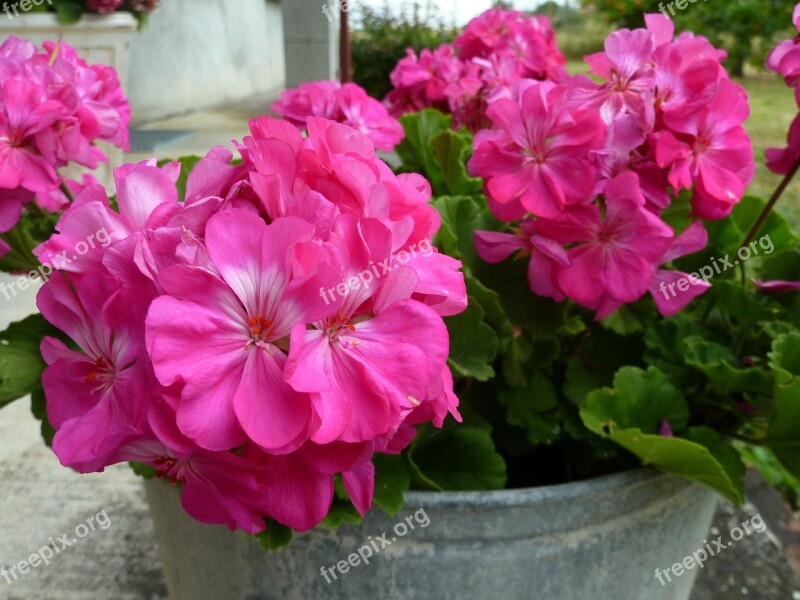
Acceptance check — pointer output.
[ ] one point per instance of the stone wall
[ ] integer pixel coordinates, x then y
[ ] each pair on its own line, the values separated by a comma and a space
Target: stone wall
196, 54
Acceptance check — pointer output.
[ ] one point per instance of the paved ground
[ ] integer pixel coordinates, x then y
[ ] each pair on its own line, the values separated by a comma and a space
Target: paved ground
41, 500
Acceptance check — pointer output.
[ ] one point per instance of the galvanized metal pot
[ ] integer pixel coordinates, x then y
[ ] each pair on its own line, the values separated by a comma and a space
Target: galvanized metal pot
599, 539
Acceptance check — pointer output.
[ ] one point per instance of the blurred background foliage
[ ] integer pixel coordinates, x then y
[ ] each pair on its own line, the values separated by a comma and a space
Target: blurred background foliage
381, 37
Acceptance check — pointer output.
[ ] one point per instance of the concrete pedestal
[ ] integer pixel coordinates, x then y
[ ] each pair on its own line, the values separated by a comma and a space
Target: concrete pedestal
311, 37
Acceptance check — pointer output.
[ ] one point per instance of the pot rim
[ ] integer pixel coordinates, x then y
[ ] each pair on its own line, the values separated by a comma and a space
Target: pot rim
541, 494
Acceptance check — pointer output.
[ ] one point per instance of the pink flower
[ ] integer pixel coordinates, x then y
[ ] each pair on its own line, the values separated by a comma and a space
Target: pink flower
219, 488
104, 6
710, 148
496, 50
370, 117
486, 33
141, 191
207, 349
507, 33
53, 108
348, 104
673, 290
26, 112
97, 396
777, 286
785, 57
302, 484
785, 60
627, 67
314, 99
546, 255
781, 161
424, 81
370, 340
611, 255
532, 156
268, 281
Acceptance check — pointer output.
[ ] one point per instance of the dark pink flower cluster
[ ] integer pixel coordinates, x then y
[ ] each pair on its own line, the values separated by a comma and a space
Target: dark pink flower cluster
104, 6
589, 167
53, 108
785, 60
280, 325
348, 104
495, 50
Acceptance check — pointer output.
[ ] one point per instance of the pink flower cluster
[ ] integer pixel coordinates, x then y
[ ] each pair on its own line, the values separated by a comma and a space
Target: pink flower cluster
110, 6
785, 60
209, 338
589, 168
104, 6
53, 107
348, 104
495, 50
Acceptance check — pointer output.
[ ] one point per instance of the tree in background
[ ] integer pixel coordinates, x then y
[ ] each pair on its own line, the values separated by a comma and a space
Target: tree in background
382, 37
745, 28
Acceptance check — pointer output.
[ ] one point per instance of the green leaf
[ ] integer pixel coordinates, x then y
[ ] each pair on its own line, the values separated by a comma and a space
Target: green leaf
21, 364
666, 348
341, 511
726, 455
703, 457
677, 214
785, 355
461, 217
416, 149
22, 241
775, 236
534, 409
580, 381
775, 474
473, 344
783, 435
630, 318
784, 267
392, 479
682, 457
460, 458
451, 151
489, 301
640, 399
69, 12
726, 236
143, 470
732, 299
275, 536
188, 163
718, 364
39, 410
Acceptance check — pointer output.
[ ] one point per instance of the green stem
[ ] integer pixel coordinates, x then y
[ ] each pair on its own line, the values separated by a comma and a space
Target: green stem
36, 209
67, 193
771, 204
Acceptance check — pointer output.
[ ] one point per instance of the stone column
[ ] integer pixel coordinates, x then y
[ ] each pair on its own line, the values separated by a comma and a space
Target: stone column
310, 31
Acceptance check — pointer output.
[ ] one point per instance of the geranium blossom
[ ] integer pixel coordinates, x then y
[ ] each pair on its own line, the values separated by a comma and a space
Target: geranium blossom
585, 170
785, 60
495, 50
275, 327
53, 108
348, 104
538, 146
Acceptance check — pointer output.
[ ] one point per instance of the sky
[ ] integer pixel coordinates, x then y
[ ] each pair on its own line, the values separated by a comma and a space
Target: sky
458, 11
